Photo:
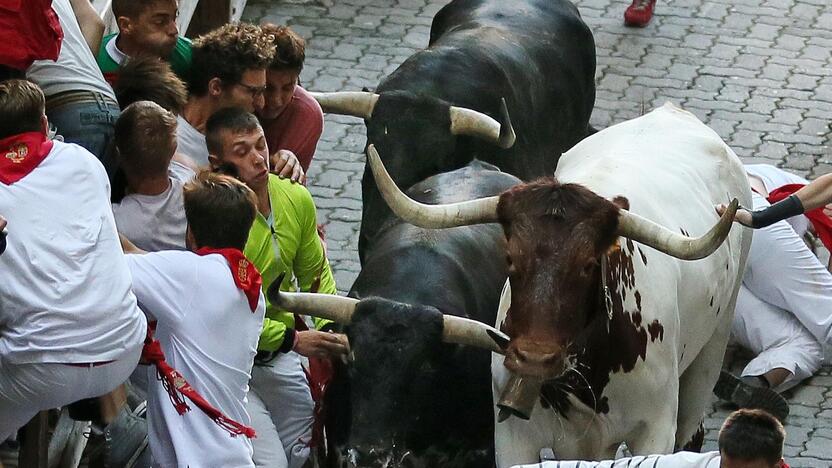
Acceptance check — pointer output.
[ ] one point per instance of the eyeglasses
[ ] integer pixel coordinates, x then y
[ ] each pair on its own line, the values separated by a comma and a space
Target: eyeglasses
255, 91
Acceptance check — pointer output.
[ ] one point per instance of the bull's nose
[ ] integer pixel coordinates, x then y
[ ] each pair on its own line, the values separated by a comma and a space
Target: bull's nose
535, 361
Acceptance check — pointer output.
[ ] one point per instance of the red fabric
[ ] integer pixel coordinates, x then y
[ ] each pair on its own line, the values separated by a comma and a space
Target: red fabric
297, 129
21, 154
245, 274
29, 31
177, 386
639, 13
819, 220
319, 375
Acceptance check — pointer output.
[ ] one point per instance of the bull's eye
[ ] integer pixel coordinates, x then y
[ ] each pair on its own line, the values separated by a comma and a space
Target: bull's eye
588, 268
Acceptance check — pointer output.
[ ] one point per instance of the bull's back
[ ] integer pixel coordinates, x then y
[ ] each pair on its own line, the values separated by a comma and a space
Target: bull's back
538, 55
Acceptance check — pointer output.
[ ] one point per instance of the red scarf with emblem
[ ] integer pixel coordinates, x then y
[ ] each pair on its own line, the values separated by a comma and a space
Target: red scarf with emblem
21, 154
246, 276
247, 279
819, 220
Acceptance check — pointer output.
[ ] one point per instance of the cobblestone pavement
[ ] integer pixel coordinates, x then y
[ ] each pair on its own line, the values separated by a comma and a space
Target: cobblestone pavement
759, 72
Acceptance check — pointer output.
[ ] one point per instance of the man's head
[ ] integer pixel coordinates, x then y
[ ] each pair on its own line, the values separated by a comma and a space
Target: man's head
146, 26
150, 79
283, 73
229, 65
219, 210
751, 439
145, 136
235, 141
22, 107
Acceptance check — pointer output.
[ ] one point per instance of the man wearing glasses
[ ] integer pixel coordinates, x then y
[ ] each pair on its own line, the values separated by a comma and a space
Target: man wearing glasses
228, 69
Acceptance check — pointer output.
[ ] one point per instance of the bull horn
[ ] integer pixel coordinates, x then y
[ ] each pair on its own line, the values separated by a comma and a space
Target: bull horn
483, 210
326, 306
464, 331
355, 103
664, 240
469, 122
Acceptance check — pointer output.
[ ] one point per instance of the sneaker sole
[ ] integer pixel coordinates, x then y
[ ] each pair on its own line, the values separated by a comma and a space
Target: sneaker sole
734, 390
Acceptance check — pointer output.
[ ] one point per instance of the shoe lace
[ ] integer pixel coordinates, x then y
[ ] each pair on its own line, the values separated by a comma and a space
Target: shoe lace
641, 4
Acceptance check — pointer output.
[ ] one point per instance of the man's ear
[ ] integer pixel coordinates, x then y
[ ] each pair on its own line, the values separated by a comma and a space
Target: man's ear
215, 87
214, 162
44, 124
124, 25
190, 241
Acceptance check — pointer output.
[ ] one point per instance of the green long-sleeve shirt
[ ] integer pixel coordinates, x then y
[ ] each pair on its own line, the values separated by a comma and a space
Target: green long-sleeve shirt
302, 257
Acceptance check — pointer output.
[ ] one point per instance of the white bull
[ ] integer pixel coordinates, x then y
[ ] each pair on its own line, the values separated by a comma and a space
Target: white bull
672, 169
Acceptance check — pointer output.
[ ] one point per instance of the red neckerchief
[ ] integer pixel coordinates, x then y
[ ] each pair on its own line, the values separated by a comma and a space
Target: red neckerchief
174, 384
246, 276
21, 154
821, 222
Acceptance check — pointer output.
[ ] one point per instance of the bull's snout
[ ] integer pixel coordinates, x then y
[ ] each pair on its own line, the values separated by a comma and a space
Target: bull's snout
535, 361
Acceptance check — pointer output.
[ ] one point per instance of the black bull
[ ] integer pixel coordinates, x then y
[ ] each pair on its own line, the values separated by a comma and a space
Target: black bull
537, 54
406, 398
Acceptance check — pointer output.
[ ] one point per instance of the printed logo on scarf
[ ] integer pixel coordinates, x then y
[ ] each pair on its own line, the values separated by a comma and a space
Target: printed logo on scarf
17, 153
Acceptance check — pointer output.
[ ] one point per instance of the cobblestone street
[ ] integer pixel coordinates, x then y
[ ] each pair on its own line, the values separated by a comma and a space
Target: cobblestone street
759, 72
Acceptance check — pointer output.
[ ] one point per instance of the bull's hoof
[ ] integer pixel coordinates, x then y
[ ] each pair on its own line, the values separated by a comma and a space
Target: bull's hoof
748, 393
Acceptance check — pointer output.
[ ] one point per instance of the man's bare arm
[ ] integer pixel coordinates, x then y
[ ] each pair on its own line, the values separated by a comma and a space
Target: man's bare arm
92, 26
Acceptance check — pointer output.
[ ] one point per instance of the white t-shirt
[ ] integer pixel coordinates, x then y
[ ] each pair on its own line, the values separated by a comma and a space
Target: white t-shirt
76, 68
64, 285
209, 334
156, 222
190, 142
676, 460
774, 178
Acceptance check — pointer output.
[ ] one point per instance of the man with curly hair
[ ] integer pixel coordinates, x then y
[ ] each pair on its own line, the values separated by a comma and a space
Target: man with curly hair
292, 119
228, 69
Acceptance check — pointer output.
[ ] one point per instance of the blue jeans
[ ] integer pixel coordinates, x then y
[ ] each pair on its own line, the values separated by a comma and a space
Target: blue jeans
91, 125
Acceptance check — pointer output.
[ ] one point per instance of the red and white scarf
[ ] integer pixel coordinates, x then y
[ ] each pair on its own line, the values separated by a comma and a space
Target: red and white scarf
21, 154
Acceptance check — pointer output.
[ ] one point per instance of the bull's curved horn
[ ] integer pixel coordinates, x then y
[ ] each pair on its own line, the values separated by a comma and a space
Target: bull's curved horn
355, 103
483, 210
469, 122
660, 238
327, 306
464, 331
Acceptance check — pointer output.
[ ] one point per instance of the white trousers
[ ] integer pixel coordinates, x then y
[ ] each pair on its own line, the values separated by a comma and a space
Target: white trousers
784, 308
26, 389
281, 409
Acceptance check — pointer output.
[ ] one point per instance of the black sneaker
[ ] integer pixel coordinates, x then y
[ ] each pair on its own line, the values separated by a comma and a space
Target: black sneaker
750, 393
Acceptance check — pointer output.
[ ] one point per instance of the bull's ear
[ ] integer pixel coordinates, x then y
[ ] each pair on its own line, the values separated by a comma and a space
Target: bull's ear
501, 339
273, 293
621, 202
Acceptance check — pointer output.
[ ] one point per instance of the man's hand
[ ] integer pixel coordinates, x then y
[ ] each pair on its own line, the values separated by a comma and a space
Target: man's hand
285, 164
743, 216
313, 343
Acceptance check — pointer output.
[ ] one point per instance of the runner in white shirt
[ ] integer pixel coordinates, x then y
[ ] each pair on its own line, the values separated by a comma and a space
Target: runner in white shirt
152, 214
748, 439
210, 309
782, 312
69, 325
